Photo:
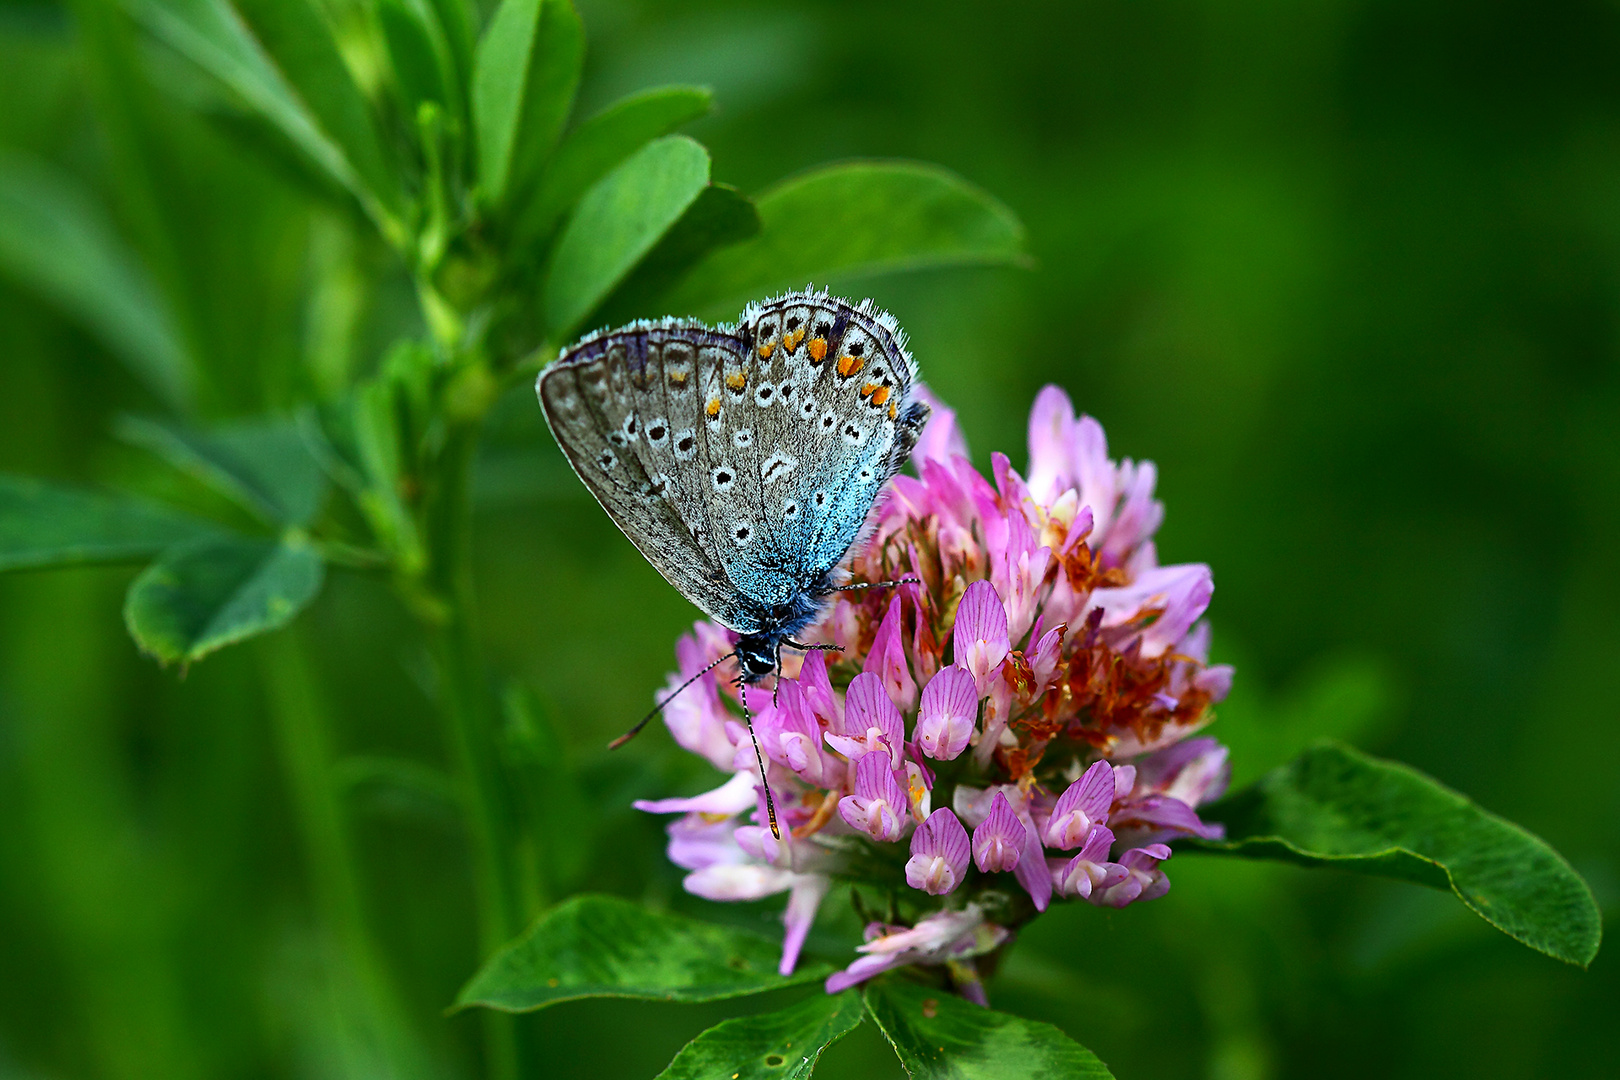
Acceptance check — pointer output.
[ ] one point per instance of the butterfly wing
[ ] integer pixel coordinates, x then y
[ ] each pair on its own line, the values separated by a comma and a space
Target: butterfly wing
826, 397
624, 408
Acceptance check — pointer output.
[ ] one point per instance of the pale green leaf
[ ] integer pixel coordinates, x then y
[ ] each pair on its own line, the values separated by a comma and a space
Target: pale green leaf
600, 143
215, 591
863, 217
617, 223
524, 78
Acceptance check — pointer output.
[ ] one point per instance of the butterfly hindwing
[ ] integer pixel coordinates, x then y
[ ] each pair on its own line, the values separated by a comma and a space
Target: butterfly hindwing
589, 396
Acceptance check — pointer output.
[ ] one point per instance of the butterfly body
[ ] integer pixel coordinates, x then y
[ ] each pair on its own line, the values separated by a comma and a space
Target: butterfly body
741, 461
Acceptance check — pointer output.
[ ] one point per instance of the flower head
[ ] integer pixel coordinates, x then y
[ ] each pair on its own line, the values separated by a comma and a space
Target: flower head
1036, 676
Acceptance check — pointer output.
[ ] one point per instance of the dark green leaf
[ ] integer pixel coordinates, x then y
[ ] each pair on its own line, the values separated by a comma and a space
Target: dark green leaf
937, 1035
599, 144
524, 79
416, 52
721, 216
298, 38
781, 1045
617, 223
216, 591
44, 525
864, 217
214, 37
601, 946
1334, 806
265, 466
56, 242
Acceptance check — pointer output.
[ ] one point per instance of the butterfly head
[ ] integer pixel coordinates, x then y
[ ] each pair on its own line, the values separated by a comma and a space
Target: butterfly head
757, 655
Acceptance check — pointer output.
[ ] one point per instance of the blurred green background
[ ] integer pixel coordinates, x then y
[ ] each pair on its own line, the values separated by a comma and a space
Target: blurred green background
1348, 272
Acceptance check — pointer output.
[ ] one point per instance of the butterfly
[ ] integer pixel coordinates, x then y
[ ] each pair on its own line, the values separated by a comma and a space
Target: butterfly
742, 460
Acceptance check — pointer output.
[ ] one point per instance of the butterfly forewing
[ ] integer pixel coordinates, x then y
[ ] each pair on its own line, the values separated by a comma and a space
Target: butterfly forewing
744, 464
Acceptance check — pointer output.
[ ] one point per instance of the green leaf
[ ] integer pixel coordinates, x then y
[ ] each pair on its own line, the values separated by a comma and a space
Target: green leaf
617, 222
599, 144
781, 1045
216, 591
601, 946
524, 79
300, 41
45, 525
863, 217
415, 50
938, 1035
214, 37
720, 216
1335, 806
58, 243
265, 466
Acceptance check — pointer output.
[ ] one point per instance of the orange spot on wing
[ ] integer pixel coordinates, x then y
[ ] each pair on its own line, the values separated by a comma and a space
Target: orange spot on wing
818, 349
678, 379
791, 339
736, 380
881, 396
765, 350
893, 409
713, 408
849, 365
869, 389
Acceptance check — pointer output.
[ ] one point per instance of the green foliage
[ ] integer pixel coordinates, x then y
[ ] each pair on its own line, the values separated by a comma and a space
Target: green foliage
856, 218
210, 34
617, 222
785, 1044
601, 946
600, 143
263, 465
43, 525
941, 1037
58, 243
1334, 806
216, 591
523, 87
1346, 300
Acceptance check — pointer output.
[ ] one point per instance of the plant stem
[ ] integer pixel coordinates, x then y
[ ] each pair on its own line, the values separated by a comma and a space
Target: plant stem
466, 709
303, 736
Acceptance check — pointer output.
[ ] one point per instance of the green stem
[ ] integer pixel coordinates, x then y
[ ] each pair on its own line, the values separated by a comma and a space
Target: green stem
465, 706
303, 737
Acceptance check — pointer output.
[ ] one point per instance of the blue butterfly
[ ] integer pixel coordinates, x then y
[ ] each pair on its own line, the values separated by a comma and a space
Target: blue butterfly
743, 460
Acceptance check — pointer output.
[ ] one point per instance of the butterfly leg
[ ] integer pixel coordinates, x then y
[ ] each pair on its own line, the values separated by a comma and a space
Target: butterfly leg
876, 584
759, 756
802, 647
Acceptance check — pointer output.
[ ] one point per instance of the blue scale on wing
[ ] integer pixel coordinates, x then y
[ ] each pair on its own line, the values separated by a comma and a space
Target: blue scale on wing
745, 535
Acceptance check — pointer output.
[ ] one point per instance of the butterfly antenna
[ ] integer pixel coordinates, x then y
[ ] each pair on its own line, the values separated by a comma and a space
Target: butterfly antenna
876, 584
633, 732
759, 756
